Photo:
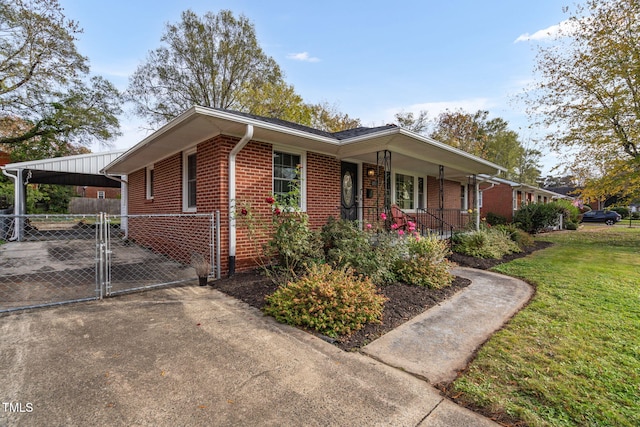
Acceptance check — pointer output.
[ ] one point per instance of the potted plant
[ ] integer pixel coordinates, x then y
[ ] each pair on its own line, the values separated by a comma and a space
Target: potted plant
202, 267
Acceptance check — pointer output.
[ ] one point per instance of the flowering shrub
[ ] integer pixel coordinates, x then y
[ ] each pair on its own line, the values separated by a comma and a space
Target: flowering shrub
332, 302
425, 263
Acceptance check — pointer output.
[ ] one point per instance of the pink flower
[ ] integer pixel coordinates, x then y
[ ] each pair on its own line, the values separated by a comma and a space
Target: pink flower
383, 216
400, 232
416, 235
277, 211
244, 212
270, 200
369, 226
394, 226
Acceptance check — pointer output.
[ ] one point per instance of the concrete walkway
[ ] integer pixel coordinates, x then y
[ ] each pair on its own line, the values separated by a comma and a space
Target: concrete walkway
194, 356
439, 343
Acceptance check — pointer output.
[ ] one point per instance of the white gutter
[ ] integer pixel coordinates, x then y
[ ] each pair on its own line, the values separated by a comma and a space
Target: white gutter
232, 196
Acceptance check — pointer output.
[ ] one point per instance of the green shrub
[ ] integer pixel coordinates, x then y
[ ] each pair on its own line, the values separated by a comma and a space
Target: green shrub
635, 215
494, 219
295, 245
520, 237
569, 211
491, 243
346, 246
425, 263
332, 302
571, 225
536, 217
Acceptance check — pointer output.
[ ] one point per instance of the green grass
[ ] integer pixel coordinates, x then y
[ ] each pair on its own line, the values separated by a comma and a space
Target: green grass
572, 356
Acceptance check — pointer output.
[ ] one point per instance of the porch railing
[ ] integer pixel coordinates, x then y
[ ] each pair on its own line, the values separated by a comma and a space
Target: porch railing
442, 222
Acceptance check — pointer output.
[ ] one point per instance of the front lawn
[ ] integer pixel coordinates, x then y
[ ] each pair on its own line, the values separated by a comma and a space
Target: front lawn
572, 356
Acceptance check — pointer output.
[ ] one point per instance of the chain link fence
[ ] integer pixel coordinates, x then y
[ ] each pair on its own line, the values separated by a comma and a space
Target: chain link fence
53, 259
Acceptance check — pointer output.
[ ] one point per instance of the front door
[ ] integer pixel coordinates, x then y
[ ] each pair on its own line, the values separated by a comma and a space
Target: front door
349, 199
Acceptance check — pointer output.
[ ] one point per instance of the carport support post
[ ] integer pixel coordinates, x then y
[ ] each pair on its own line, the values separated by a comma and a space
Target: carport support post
19, 210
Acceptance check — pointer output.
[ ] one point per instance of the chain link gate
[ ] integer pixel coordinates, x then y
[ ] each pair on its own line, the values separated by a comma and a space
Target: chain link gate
54, 259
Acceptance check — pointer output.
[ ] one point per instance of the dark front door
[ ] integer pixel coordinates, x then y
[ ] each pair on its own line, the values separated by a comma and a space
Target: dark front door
349, 185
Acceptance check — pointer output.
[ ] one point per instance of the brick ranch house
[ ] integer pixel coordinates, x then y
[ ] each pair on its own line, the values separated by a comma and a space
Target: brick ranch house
207, 159
504, 197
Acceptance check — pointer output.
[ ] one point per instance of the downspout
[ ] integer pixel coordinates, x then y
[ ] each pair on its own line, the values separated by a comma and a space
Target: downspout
477, 190
232, 196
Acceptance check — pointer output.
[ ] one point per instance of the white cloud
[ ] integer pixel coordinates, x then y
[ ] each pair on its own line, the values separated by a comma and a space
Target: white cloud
303, 56
565, 27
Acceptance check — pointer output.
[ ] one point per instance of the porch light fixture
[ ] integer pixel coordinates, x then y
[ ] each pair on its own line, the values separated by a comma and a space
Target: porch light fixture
371, 172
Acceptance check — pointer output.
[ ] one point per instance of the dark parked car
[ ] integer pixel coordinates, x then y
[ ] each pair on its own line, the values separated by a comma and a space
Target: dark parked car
608, 217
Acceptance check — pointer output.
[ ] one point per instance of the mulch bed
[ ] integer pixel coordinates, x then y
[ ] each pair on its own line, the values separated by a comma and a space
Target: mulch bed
404, 301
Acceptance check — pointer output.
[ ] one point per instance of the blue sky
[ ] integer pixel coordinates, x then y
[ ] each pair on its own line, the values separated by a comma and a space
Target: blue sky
370, 58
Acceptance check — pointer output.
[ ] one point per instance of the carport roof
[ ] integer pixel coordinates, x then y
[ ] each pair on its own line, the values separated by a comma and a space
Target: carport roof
83, 169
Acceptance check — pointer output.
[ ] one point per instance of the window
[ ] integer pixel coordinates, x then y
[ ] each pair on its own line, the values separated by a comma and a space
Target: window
463, 197
404, 191
150, 182
421, 203
189, 169
100, 194
479, 199
286, 175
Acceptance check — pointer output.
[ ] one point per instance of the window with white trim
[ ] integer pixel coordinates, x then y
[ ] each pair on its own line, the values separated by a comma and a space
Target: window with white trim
463, 198
189, 172
479, 199
150, 182
286, 175
101, 195
421, 199
405, 191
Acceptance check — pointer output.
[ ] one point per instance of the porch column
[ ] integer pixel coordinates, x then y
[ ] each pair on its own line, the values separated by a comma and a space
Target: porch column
441, 198
383, 160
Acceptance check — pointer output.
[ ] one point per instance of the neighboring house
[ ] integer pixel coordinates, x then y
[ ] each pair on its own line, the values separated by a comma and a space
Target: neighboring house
97, 192
4, 158
208, 160
504, 197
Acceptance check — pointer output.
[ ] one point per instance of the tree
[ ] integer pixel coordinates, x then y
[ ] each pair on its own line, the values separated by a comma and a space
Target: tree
213, 61
327, 117
588, 95
490, 139
44, 81
408, 121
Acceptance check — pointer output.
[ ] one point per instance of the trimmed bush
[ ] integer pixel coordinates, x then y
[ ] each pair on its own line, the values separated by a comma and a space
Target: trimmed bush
520, 237
494, 219
346, 246
491, 243
331, 302
425, 263
535, 217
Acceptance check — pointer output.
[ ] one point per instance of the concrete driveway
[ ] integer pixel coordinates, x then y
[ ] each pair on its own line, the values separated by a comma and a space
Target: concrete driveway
193, 356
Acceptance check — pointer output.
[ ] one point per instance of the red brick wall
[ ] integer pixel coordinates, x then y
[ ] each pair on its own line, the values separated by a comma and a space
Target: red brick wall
451, 194
498, 200
254, 176
323, 188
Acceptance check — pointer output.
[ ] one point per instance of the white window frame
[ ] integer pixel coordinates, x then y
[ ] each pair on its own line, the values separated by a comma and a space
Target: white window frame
479, 199
415, 177
149, 182
101, 193
185, 180
464, 200
303, 174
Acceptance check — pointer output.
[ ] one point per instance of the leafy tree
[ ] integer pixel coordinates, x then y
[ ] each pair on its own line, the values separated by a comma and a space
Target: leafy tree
408, 121
327, 117
490, 139
588, 94
214, 61
46, 93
